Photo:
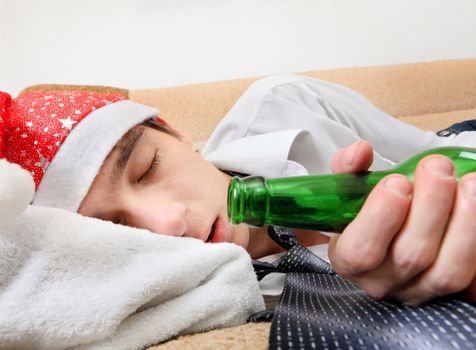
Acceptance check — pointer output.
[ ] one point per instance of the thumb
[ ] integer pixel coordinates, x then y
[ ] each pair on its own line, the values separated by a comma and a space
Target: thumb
356, 157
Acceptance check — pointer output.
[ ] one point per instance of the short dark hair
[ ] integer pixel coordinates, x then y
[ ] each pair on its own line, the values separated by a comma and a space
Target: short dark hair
129, 138
154, 124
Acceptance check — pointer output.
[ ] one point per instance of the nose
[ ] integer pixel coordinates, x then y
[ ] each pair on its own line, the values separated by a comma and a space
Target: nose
169, 219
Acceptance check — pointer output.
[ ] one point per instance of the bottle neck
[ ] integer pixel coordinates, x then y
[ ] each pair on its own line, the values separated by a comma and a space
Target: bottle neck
324, 202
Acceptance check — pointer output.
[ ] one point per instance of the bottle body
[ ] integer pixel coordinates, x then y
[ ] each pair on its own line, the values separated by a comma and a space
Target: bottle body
322, 202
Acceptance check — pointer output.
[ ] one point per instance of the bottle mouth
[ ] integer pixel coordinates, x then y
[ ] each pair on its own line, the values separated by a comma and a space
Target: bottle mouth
235, 201
246, 200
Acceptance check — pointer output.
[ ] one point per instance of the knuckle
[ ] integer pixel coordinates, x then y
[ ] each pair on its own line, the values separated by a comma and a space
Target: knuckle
411, 260
340, 266
448, 283
357, 261
377, 291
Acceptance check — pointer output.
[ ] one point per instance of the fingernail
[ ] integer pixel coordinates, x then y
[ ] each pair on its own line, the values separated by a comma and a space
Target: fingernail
439, 167
469, 187
398, 185
350, 154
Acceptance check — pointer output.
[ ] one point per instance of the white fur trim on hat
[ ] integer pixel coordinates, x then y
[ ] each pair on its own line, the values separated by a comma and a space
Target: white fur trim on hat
79, 159
16, 191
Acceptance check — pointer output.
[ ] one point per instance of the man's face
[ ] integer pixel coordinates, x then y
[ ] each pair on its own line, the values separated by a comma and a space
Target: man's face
156, 181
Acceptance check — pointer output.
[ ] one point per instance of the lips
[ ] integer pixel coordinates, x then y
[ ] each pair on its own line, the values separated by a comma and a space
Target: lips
212, 233
219, 232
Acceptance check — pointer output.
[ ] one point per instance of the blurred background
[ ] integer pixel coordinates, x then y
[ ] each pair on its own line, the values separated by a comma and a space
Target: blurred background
154, 43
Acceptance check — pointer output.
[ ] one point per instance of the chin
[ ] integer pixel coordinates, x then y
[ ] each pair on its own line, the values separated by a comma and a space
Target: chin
241, 235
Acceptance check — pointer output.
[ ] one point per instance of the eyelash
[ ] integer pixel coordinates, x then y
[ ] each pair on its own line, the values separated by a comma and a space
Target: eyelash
154, 165
117, 221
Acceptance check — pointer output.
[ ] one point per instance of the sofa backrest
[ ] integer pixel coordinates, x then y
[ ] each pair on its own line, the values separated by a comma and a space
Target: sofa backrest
407, 91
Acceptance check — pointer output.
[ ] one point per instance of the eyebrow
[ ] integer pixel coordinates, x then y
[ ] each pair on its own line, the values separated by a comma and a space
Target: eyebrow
126, 147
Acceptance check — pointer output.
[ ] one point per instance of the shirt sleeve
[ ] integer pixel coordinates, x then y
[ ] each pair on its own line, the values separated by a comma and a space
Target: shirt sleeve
332, 116
347, 116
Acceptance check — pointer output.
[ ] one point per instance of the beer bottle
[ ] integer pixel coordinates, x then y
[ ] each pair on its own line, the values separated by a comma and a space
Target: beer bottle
322, 202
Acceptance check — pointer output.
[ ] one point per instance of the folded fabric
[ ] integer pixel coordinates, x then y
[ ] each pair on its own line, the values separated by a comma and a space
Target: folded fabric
16, 191
71, 281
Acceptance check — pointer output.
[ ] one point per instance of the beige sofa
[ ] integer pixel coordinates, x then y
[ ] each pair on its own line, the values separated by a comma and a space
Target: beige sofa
431, 95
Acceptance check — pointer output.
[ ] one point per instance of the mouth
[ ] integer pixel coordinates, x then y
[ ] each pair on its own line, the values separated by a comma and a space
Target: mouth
219, 232
212, 232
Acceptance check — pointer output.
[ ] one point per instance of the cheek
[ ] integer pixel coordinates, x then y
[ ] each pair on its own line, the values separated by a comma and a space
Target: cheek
166, 217
97, 199
206, 185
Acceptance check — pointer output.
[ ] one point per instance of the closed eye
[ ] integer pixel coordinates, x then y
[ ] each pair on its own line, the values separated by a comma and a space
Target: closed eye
152, 169
118, 221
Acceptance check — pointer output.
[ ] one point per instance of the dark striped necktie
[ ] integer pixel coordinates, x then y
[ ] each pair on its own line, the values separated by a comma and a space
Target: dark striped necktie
320, 310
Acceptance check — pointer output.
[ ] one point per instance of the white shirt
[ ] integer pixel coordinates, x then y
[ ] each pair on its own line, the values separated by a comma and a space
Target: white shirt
293, 125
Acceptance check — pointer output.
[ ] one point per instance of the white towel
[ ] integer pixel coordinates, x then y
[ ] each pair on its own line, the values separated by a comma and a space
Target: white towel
71, 281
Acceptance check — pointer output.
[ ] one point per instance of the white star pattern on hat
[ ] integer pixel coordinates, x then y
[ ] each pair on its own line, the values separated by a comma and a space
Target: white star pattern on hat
67, 123
36, 126
43, 162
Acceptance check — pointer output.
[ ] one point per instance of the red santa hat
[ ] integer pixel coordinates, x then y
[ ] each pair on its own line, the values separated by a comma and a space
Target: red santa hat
63, 137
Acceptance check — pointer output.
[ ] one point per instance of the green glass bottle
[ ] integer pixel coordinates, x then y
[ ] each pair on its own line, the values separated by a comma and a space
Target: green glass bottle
322, 202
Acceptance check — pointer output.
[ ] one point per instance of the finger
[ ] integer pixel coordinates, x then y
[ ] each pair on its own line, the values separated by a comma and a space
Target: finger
356, 157
455, 267
364, 243
417, 245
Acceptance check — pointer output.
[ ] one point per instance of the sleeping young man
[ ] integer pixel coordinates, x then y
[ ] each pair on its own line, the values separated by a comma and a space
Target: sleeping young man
112, 159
